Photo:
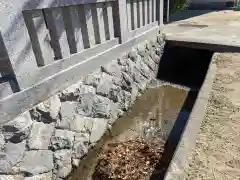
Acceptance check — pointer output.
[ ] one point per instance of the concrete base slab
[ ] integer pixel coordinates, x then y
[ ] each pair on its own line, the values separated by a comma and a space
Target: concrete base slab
216, 29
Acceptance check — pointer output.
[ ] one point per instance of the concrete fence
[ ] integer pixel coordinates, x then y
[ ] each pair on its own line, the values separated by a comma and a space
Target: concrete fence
47, 44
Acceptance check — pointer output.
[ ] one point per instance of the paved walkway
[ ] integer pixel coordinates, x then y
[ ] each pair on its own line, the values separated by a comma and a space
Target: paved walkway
220, 28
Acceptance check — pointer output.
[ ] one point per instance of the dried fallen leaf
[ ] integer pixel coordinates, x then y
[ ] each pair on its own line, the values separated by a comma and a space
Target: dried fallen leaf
128, 160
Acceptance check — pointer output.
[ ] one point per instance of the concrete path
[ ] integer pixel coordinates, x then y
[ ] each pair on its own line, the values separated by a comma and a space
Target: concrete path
217, 30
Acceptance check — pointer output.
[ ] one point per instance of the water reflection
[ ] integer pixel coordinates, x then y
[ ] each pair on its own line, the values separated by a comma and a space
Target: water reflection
175, 135
161, 104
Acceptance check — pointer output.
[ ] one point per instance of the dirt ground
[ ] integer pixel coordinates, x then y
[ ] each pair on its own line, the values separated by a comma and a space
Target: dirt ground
217, 155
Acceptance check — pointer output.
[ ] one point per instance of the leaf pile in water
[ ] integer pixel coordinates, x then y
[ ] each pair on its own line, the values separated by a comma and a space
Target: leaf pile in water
128, 160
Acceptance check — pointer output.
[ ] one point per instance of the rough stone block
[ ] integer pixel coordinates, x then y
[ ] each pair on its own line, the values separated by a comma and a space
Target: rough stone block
86, 103
133, 71
81, 124
104, 87
80, 145
159, 51
75, 162
17, 129
50, 108
101, 107
124, 100
99, 128
129, 66
113, 69
141, 49
94, 106
156, 58
160, 39
114, 93
63, 165
37, 162
71, 93
151, 52
72, 89
62, 139
2, 141
133, 55
69, 109
89, 105
118, 81
127, 82
144, 69
122, 61
106, 80
149, 45
40, 135
134, 92
115, 113
131, 85
15, 152
68, 112
44, 176
83, 89
138, 77
11, 177
5, 163
142, 86
151, 64
93, 79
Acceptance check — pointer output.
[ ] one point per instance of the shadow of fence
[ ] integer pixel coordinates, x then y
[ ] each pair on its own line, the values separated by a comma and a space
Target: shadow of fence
8, 82
184, 66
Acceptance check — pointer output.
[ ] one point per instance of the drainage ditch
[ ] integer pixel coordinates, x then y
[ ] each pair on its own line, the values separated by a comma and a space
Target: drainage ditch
159, 115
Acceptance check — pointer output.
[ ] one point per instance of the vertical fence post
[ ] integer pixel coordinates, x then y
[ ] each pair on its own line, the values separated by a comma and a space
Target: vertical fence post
160, 11
168, 10
122, 24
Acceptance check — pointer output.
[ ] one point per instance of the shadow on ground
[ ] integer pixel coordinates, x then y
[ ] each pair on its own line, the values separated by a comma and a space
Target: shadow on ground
184, 66
174, 137
188, 67
187, 14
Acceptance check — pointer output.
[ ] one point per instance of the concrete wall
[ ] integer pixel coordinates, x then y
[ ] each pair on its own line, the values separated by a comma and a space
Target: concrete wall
25, 39
50, 139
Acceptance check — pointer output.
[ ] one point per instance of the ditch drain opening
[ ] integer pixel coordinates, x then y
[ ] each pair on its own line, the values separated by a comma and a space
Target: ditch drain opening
184, 66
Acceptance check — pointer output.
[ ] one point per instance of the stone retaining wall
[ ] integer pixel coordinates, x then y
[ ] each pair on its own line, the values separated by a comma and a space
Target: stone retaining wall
48, 141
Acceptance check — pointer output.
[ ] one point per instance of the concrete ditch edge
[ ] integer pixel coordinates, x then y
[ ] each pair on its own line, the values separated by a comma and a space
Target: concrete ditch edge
186, 147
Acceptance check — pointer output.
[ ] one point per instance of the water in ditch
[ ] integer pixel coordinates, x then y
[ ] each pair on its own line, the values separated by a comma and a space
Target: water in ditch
161, 104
